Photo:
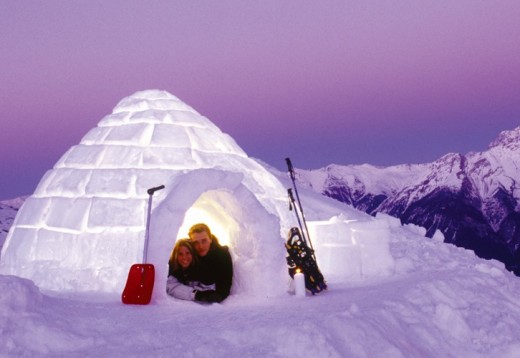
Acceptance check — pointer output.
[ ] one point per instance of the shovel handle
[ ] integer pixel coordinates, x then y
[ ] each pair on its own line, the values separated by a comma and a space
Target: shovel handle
153, 190
147, 233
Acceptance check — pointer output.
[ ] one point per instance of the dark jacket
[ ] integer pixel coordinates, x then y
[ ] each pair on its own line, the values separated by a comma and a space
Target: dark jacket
215, 268
183, 275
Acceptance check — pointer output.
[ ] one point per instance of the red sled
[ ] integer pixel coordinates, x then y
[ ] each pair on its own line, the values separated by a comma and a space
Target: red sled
139, 285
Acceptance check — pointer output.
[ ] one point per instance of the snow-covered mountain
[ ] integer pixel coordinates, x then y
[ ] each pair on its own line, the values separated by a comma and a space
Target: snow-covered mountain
473, 199
8, 211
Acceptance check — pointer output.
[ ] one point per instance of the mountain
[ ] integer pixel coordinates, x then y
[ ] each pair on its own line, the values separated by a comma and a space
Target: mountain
473, 199
8, 211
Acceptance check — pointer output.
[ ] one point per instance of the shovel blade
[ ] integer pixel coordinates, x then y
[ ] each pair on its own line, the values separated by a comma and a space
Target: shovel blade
139, 285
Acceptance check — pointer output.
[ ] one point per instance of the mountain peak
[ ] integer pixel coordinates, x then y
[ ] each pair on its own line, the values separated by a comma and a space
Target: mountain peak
509, 139
473, 199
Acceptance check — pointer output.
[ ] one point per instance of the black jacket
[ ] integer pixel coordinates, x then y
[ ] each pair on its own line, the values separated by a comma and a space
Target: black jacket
184, 276
215, 268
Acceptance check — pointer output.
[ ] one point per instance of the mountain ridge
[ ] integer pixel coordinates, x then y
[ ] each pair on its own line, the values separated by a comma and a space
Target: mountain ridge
473, 199
8, 210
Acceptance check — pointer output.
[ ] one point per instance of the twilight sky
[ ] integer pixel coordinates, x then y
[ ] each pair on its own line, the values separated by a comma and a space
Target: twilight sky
345, 82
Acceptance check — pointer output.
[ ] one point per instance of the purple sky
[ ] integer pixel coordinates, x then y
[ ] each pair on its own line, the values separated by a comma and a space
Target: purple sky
346, 82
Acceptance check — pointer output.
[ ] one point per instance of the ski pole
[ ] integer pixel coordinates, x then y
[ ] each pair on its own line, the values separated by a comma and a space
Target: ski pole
291, 201
293, 178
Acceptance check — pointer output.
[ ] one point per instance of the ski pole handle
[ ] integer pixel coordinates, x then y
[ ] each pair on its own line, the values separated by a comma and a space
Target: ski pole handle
153, 190
291, 197
290, 167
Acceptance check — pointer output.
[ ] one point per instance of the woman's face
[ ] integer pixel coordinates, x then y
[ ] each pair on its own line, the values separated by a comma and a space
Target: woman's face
184, 257
201, 242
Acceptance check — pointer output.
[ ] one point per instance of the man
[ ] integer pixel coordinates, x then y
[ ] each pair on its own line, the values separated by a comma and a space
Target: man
215, 265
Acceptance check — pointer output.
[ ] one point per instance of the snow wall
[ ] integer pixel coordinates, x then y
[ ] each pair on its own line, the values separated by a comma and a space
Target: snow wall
354, 249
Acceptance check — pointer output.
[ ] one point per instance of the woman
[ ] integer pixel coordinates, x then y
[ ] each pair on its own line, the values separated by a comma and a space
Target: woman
214, 267
182, 278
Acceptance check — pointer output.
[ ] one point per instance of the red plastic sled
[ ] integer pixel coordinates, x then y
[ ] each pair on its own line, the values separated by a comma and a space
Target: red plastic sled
139, 285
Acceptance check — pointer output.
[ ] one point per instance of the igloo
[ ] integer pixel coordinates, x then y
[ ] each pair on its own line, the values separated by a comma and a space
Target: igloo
84, 226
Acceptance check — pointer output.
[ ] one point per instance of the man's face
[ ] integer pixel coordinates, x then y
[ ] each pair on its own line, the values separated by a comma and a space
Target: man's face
201, 242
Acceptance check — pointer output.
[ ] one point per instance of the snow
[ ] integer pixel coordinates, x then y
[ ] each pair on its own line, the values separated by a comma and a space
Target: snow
438, 300
392, 292
498, 167
371, 176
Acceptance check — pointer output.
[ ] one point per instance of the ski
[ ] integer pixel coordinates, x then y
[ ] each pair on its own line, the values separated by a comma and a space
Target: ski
292, 175
299, 246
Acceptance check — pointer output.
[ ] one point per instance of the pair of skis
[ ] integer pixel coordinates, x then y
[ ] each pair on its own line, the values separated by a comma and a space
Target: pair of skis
299, 246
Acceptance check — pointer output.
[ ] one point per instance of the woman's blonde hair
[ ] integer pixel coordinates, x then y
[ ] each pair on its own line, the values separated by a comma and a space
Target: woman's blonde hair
198, 228
175, 253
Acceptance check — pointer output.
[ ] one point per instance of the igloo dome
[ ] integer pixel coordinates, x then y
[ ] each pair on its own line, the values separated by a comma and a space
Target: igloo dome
84, 226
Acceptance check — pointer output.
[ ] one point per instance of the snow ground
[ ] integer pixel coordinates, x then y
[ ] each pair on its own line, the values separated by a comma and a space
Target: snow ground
439, 301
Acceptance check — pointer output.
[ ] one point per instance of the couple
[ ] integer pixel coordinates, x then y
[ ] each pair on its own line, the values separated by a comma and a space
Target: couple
200, 269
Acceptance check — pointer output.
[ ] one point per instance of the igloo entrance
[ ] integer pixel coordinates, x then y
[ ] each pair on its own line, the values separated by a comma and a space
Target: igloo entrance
216, 209
236, 217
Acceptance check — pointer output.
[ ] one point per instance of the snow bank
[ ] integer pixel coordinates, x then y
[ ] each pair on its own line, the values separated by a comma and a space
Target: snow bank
352, 249
18, 295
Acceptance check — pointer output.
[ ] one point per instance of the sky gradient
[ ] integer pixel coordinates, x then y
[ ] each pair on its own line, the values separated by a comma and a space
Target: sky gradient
345, 82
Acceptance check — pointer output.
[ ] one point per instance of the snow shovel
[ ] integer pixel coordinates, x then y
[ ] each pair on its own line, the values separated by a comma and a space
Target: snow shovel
139, 285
